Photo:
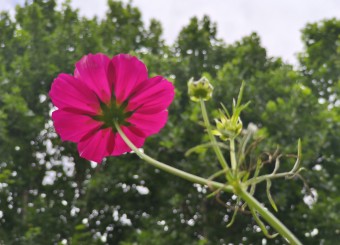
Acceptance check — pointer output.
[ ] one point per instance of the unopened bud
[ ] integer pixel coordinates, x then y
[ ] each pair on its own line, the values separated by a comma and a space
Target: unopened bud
201, 89
227, 128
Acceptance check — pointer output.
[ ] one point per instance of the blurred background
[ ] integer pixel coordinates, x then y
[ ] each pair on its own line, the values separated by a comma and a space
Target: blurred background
287, 53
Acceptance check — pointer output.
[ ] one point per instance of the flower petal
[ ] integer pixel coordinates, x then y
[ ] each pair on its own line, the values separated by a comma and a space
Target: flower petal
154, 96
121, 147
129, 73
97, 146
96, 71
73, 127
148, 124
68, 93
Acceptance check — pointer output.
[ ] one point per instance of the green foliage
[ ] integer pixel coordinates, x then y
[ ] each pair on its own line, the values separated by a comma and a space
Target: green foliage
110, 204
320, 61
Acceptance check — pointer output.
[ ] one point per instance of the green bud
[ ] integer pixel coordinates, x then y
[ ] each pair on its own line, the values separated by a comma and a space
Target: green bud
227, 128
201, 89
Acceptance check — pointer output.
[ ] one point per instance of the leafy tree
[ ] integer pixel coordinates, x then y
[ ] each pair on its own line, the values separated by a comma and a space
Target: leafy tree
320, 60
320, 66
122, 30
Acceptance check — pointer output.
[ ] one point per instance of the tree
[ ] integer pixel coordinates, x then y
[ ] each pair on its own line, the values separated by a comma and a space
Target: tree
320, 60
320, 66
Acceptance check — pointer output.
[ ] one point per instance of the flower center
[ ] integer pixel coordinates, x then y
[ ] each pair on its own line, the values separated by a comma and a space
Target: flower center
113, 112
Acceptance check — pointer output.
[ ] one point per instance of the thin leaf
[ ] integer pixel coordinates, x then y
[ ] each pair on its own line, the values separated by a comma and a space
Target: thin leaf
203, 146
219, 173
261, 225
242, 149
225, 110
270, 198
257, 171
240, 94
235, 213
277, 165
298, 159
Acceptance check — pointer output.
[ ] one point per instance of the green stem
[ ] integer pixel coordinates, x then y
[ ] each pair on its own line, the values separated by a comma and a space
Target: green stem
268, 216
233, 156
268, 176
172, 170
217, 150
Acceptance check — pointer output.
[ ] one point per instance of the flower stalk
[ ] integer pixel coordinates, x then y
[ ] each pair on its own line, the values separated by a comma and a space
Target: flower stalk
174, 171
216, 148
233, 157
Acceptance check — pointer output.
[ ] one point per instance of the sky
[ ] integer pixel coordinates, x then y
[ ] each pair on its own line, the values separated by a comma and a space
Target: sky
278, 22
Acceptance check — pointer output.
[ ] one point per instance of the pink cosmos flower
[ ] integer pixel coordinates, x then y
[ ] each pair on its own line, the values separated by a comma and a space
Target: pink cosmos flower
105, 90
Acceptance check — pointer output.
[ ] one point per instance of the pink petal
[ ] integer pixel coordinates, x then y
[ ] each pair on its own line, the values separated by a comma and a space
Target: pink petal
155, 96
97, 72
129, 73
73, 127
70, 94
97, 146
148, 124
121, 147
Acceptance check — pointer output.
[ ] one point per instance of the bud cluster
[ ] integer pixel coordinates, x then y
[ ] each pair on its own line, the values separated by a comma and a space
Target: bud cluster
227, 128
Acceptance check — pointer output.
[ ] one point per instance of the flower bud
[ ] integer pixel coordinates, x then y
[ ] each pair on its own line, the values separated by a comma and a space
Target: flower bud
201, 89
227, 128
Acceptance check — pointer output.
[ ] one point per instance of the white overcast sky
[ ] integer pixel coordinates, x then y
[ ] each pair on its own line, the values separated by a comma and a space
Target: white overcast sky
277, 22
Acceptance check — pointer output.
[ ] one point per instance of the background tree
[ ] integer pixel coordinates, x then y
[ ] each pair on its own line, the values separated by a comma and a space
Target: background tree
320, 67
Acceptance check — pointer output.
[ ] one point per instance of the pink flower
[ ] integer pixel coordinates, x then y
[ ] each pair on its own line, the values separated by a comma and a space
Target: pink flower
103, 90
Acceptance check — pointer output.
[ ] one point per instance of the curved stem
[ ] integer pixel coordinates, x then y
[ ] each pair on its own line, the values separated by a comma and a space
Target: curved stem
267, 177
172, 170
268, 216
217, 150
